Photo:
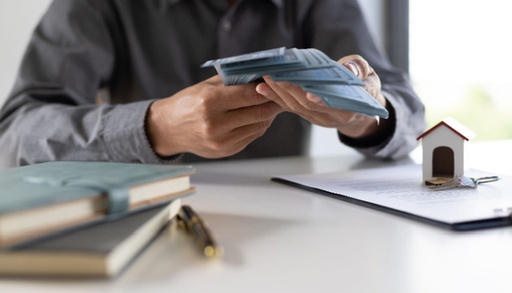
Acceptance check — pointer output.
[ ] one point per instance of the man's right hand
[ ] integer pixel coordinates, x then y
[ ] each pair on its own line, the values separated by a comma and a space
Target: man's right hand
209, 119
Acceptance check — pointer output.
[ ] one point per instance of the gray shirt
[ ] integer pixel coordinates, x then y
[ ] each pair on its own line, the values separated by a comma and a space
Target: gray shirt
131, 52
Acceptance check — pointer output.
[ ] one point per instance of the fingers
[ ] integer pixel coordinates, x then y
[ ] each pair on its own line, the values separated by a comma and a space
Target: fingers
240, 137
315, 99
261, 115
290, 97
233, 131
358, 65
209, 119
233, 97
229, 107
310, 107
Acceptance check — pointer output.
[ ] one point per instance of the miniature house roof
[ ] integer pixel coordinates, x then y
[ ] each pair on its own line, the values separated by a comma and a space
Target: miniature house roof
454, 126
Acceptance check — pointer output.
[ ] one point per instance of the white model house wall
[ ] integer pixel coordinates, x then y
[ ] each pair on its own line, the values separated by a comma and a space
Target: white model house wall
442, 136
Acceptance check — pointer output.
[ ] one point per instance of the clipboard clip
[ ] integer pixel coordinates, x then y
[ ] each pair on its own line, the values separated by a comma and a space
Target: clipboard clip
504, 212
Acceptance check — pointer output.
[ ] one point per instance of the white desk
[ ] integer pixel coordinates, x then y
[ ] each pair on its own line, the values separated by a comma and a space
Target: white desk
281, 239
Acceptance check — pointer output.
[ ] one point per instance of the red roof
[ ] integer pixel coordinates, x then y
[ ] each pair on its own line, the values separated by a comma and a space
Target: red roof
454, 126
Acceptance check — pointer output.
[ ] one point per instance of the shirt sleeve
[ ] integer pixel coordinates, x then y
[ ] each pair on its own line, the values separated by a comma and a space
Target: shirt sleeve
51, 113
339, 29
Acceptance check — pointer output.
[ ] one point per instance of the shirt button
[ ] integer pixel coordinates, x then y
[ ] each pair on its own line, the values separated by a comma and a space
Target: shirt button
226, 25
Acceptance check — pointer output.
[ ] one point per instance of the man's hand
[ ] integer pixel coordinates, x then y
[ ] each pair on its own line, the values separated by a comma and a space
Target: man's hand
293, 99
209, 119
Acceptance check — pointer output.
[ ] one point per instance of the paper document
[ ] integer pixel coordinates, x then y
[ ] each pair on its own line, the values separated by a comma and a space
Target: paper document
400, 190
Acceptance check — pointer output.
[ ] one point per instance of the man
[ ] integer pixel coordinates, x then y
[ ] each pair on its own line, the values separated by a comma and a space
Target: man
142, 60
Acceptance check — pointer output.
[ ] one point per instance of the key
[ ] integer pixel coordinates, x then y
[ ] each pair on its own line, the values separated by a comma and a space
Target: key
463, 181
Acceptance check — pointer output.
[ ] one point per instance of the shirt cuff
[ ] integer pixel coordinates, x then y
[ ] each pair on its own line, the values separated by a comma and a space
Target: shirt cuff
373, 147
125, 135
403, 137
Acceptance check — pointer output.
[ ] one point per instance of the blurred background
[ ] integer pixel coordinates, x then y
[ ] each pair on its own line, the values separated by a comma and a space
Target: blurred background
458, 54
460, 60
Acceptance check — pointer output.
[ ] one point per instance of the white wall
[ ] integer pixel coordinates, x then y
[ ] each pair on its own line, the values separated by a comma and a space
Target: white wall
19, 17
17, 21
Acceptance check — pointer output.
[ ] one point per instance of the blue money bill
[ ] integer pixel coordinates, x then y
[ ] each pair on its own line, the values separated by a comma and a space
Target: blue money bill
265, 54
336, 74
309, 68
351, 98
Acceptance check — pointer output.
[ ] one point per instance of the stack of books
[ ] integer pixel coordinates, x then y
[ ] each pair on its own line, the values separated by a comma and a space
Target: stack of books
84, 218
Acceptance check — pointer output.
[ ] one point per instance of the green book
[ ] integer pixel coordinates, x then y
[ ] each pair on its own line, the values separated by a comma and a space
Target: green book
41, 199
100, 250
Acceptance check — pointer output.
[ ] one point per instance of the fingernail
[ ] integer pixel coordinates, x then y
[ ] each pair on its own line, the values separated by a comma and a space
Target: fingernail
315, 99
354, 68
262, 89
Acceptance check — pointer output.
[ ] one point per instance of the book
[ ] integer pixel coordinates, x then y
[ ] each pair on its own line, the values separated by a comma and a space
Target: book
309, 68
100, 250
40, 199
400, 190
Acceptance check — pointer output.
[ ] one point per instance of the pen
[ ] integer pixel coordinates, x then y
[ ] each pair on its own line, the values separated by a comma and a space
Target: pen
191, 222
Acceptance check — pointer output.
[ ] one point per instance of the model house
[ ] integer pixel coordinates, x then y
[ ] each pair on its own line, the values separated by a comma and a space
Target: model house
443, 150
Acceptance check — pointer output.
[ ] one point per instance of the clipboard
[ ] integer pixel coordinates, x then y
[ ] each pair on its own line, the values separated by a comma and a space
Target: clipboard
399, 190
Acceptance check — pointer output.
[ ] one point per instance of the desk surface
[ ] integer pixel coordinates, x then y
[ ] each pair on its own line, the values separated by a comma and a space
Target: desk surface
281, 239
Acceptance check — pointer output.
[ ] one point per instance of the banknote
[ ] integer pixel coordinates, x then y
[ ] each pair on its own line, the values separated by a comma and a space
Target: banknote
309, 68
240, 59
336, 74
291, 59
351, 98
280, 60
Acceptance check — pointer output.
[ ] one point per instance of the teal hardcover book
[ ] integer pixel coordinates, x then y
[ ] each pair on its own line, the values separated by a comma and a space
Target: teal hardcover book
37, 200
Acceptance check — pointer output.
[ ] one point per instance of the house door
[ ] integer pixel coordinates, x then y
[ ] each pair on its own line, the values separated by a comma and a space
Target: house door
443, 165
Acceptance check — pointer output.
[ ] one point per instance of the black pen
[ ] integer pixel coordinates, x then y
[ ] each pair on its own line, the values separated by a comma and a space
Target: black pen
191, 222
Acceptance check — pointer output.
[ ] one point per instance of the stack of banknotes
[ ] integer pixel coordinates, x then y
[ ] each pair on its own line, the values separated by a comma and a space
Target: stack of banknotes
310, 68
